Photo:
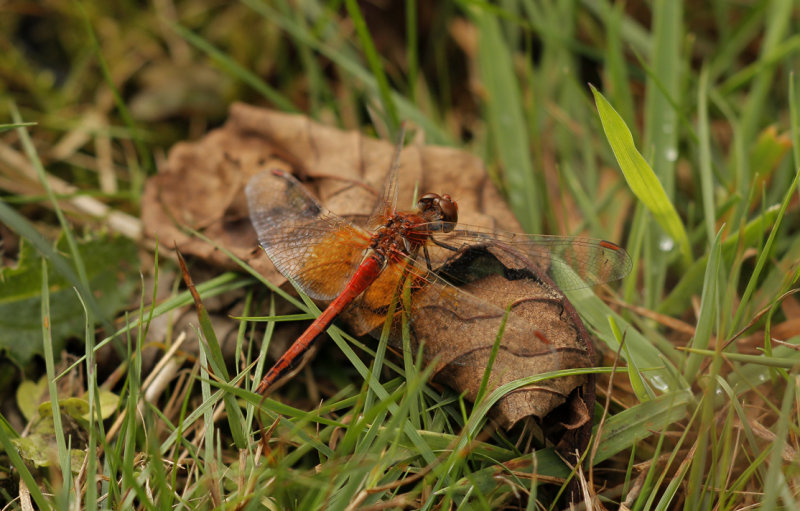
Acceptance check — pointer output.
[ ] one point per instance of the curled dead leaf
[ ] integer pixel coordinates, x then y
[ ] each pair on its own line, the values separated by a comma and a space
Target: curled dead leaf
542, 334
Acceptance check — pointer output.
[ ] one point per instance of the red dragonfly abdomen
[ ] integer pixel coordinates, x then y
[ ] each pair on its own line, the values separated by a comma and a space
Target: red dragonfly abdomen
366, 274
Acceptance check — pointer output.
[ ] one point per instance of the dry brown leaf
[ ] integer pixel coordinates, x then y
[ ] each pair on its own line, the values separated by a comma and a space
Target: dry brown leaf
542, 333
202, 188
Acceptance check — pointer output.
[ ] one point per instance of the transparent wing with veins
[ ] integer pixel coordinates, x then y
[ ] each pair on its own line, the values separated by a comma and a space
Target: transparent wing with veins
307, 243
572, 262
386, 205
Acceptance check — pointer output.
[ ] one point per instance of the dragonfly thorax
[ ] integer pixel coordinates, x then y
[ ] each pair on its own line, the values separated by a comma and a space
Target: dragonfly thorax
405, 232
401, 236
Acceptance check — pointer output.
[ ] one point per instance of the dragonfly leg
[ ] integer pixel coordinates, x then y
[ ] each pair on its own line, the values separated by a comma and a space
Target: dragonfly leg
427, 257
444, 245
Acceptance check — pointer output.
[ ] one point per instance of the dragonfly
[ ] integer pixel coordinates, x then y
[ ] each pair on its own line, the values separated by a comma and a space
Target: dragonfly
362, 267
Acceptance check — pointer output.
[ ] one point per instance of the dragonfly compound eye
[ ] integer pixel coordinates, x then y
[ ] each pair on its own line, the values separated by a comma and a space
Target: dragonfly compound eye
440, 209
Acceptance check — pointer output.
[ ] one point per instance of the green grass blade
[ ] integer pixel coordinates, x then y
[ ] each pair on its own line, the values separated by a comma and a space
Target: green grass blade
375, 66
49, 359
92, 396
596, 314
8, 127
504, 109
704, 150
618, 85
787, 360
794, 114
376, 387
216, 359
778, 18
82, 279
663, 86
634, 35
492, 357
412, 40
708, 307
640, 177
640, 388
776, 483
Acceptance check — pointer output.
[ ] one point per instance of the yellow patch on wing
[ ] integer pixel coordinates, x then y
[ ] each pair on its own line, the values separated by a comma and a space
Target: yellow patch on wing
330, 264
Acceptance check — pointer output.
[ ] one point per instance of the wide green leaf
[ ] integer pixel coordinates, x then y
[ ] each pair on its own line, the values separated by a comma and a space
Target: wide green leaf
111, 264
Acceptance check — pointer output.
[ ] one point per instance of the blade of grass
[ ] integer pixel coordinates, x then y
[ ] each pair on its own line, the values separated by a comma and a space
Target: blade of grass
660, 141
709, 303
319, 94
742, 34
775, 57
627, 428
507, 126
776, 483
633, 33
788, 360
676, 480
706, 446
618, 85
641, 178
794, 114
209, 429
64, 456
661, 129
23, 228
216, 359
412, 42
492, 356
93, 398
409, 367
258, 371
218, 285
596, 314
130, 488
375, 66
9, 127
777, 22
640, 388
704, 150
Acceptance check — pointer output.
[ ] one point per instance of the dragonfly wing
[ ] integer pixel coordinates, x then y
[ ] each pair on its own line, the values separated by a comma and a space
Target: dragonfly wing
308, 244
571, 262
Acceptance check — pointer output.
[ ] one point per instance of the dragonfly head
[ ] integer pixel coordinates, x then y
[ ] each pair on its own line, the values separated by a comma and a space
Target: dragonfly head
441, 211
